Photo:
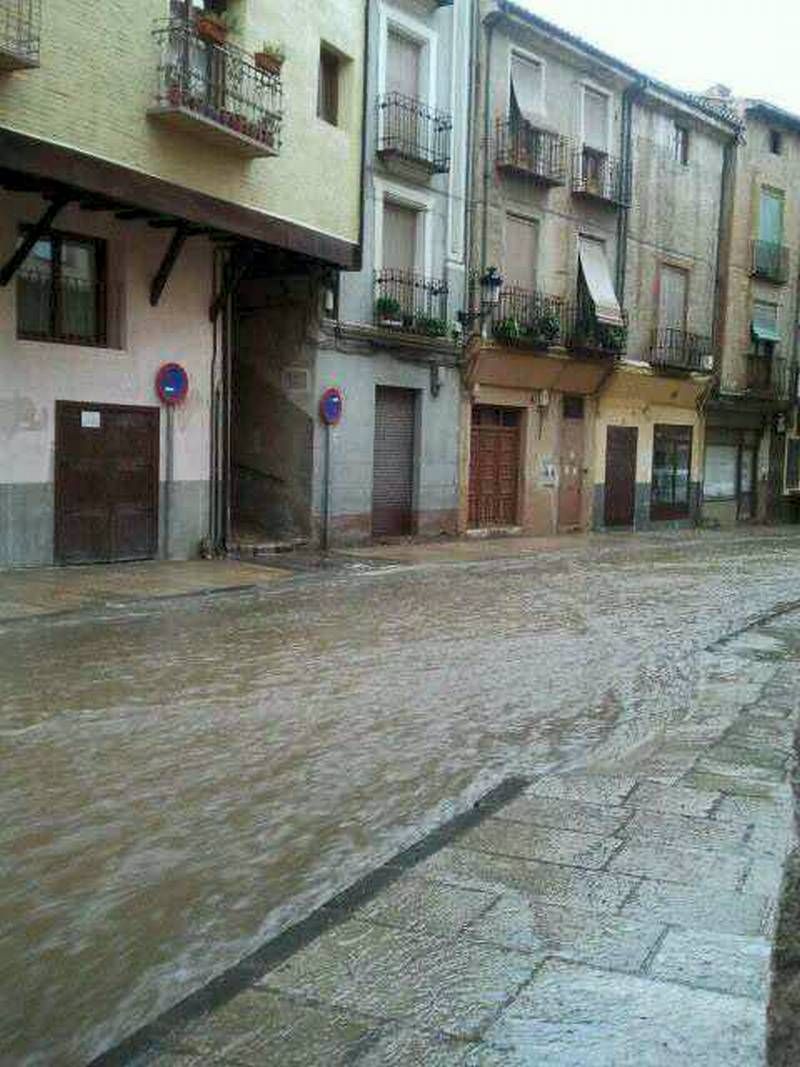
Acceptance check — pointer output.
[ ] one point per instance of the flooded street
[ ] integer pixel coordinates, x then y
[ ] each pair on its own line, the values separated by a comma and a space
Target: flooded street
181, 779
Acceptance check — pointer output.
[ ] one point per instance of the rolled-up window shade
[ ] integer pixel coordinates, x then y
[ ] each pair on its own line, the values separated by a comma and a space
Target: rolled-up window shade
521, 252
402, 65
597, 276
672, 298
399, 237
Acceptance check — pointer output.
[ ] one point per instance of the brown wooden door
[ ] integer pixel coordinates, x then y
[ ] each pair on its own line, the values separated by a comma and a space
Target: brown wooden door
106, 482
620, 475
570, 483
393, 462
494, 467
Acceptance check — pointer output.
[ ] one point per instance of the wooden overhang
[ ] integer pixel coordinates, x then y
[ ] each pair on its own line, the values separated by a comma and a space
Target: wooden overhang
64, 175
509, 369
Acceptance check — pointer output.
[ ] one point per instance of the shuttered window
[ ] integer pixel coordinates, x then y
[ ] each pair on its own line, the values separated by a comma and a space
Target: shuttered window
328, 87
770, 217
595, 119
765, 322
403, 65
522, 242
672, 297
400, 226
526, 87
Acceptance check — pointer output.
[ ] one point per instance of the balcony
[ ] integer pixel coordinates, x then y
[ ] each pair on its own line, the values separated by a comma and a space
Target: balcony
527, 318
411, 133
215, 91
584, 335
528, 152
600, 177
675, 349
20, 25
769, 261
767, 377
410, 303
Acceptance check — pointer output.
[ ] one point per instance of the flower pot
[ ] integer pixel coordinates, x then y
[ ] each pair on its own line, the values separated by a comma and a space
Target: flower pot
269, 63
211, 29
389, 323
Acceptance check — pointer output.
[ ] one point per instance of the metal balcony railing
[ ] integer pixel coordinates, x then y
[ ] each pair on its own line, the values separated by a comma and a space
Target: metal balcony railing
584, 334
20, 30
769, 261
767, 377
69, 311
527, 317
412, 132
411, 303
522, 149
218, 89
680, 350
600, 176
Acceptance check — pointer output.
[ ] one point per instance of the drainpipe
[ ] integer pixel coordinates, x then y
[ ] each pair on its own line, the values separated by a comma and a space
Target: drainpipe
626, 164
487, 133
364, 112
727, 187
469, 214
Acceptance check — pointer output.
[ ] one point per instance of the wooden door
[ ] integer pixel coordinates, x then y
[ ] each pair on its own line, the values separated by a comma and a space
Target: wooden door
393, 462
620, 503
571, 461
494, 467
106, 482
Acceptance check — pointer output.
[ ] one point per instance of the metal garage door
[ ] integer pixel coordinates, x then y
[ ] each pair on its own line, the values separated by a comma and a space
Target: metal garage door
494, 466
106, 482
393, 462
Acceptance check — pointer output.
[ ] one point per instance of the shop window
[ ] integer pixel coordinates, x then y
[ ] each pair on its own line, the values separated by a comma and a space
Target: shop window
670, 487
61, 291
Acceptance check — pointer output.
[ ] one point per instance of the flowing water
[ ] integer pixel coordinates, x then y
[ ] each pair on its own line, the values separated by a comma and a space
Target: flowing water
182, 779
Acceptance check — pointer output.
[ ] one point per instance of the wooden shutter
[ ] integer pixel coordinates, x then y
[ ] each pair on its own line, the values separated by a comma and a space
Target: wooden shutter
770, 217
402, 65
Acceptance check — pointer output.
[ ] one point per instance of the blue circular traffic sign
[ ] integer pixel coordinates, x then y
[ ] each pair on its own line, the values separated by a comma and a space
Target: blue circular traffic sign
331, 405
172, 383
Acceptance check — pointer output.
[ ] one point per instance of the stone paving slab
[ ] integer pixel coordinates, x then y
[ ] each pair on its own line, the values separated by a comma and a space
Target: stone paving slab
723, 963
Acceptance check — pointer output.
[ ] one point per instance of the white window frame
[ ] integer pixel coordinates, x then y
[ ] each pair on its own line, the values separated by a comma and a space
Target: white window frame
419, 201
390, 18
595, 88
532, 58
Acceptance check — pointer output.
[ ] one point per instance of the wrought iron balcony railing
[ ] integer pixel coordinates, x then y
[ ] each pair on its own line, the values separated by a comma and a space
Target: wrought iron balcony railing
411, 303
527, 317
769, 261
522, 149
767, 377
680, 350
600, 176
69, 310
217, 91
20, 29
411, 132
585, 335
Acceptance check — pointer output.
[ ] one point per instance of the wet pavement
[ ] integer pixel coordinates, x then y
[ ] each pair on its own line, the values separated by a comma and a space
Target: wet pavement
186, 778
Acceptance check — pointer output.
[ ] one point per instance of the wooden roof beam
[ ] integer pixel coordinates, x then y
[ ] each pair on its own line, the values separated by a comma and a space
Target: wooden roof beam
30, 237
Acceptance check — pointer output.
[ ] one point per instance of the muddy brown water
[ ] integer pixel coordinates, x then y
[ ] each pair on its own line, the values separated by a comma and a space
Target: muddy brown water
182, 780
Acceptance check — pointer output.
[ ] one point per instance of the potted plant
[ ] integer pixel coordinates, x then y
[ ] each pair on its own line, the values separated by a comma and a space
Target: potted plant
211, 27
507, 330
430, 326
388, 311
546, 327
611, 338
271, 57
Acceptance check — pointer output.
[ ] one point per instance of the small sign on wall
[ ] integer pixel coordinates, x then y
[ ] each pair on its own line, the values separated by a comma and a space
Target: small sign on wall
547, 471
90, 420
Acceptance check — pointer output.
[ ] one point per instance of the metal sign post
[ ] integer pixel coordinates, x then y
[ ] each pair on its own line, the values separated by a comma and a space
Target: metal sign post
172, 387
331, 406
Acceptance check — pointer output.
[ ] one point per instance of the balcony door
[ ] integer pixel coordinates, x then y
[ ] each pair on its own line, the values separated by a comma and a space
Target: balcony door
401, 116
400, 252
521, 252
770, 217
403, 65
673, 291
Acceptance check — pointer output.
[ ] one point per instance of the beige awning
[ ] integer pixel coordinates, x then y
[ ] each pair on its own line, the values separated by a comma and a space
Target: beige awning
526, 85
598, 280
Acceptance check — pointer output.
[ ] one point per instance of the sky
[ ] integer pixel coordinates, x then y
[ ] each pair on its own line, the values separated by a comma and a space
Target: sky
752, 46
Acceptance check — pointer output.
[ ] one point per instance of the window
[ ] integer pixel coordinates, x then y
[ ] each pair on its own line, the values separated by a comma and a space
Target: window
573, 407
400, 237
328, 86
765, 329
526, 89
521, 252
770, 216
673, 291
403, 65
775, 142
595, 120
670, 487
792, 481
681, 144
62, 292
598, 283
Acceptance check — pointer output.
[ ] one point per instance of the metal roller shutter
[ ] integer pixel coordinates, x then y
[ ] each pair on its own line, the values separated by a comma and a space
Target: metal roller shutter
393, 462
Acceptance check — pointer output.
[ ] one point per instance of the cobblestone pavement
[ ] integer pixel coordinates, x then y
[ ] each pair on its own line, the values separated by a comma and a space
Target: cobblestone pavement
597, 920
183, 779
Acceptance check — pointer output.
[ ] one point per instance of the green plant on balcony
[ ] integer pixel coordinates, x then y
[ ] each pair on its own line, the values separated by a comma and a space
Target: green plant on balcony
546, 327
271, 57
211, 27
610, 338
508, 330
388, 311
430, 326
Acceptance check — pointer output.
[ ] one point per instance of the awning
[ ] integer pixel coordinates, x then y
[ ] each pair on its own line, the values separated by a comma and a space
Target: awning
765, 323
526, 83
598, 280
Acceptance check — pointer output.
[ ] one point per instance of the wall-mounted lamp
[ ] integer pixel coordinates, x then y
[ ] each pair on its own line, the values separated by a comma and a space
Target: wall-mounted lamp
491, 282
436, 379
